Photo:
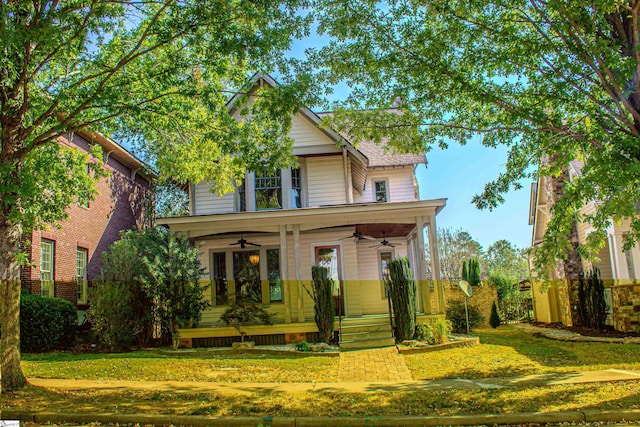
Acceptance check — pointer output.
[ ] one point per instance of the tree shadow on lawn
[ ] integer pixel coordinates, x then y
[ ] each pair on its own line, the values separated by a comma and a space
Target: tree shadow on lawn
554, 353
146, 354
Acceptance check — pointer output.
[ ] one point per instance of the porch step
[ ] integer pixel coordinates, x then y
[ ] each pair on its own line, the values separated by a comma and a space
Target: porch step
367, 343
366, 332
364, 335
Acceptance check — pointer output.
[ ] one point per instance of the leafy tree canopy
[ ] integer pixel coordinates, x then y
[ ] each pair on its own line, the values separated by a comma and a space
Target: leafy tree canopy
505, 259
556, 80
455, 247
154, 73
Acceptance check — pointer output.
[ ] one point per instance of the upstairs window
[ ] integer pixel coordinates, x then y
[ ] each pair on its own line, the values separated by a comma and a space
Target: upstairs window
296, 188
46, 268
381, 191
242, 193
268, 190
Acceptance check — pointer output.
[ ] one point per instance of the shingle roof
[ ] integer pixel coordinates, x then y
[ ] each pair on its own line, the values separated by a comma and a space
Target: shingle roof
381, 155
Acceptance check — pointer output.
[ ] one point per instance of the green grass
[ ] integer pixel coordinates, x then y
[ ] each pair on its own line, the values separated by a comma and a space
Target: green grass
506, 352
150, 366
442, 402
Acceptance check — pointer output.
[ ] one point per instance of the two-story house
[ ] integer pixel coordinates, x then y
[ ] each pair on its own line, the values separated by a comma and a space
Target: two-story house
351, 209
619, 269
65, 259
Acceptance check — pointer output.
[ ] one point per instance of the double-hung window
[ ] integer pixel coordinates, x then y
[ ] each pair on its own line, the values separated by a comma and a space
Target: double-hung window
82, 256
47, 248
381, 190
268, 190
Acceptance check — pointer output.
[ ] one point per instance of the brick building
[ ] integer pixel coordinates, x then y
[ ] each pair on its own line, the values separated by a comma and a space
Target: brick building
64, 260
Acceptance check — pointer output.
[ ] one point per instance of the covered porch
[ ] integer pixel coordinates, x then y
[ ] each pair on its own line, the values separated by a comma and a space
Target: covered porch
279, 248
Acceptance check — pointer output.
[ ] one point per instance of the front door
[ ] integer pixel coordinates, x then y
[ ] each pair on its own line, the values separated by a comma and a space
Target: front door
329, 256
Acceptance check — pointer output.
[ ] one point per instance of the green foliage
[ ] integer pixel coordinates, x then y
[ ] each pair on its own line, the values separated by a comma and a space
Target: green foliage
46, 323
424, 333
117, 316
161, 271
504, 259
471, 271
245, 311
402, 291
323, 301
441, 330
550, 81
494, 318
592, 308
302, 346
465, 271
456, 315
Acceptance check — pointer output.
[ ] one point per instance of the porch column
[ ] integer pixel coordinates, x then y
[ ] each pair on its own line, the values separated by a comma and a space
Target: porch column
421, 269
435, 264
298, 260
284, 274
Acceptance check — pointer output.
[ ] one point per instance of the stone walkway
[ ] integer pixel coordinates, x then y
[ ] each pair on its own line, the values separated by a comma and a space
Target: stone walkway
564, 335
375, 365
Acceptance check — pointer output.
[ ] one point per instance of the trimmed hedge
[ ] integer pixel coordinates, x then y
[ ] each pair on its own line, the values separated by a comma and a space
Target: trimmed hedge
46, 323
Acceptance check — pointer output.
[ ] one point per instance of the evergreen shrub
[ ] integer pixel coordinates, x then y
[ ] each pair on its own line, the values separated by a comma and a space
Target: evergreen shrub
46, 323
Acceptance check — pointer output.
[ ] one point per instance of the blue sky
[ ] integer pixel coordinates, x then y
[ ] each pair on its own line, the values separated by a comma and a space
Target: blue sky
460, 172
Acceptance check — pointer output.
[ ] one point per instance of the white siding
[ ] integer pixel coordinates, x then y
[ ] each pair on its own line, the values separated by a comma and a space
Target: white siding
400, 185
207, 202
326, 181
306, 134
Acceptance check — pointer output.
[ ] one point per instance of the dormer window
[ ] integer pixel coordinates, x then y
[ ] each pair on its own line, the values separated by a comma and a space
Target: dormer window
268, 190
381, 190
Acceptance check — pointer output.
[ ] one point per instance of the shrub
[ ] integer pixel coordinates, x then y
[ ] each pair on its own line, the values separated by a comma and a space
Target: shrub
402, 291
245, 311
323, 303
162, 272
592, 308
441, 330
302, 346
46, 323
115, 320
494, 319
456, 315
424, 333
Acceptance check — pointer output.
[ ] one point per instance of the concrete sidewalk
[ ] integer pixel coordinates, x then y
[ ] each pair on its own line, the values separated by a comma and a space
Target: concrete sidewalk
344, 387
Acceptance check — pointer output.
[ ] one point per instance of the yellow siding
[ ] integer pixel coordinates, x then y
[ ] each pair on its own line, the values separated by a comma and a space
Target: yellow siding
326, 181
372, 293
400, 185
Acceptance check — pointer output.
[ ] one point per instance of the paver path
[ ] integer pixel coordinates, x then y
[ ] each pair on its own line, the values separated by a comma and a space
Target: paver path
373, 365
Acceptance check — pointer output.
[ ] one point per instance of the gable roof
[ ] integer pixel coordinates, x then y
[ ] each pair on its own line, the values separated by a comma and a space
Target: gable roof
260, 78
381, 155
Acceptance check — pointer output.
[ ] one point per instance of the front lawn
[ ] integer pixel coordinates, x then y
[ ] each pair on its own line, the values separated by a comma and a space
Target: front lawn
507, 352
441, 402
150, 366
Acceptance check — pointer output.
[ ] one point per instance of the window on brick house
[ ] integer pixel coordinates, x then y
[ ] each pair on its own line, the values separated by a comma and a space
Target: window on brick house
47, 248
83, 197
82, 256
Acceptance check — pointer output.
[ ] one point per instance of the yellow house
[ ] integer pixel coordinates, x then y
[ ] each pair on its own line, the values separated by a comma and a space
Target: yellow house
620, 269
349, 209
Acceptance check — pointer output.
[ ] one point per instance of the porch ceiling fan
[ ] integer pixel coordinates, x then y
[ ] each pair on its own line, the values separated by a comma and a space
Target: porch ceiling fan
385, 242
357, 236
243, 243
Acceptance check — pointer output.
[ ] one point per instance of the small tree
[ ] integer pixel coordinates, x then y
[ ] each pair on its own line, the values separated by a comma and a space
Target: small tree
402, 291
494, 319
592, 308
323, 302
465, 271
475, 278
246, 311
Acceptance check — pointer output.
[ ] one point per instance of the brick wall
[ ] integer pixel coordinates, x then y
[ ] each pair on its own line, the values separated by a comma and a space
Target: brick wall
119, 205
483, 297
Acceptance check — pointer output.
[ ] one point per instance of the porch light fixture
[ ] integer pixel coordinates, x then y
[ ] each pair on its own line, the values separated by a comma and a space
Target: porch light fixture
254, 259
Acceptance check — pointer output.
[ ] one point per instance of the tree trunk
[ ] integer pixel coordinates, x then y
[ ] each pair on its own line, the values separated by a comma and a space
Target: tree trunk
11, 377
